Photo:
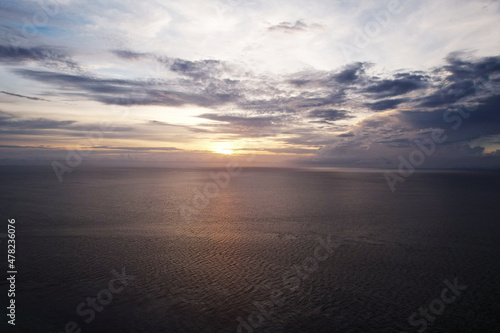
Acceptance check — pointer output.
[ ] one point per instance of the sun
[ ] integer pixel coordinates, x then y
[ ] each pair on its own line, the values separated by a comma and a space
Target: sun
224, 151
223, 148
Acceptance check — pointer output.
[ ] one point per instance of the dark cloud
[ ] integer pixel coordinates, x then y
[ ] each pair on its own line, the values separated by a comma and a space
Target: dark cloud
462, 68
329, 115
350, 73
242, 121
462, 123
311, 79
112, 91
449, 94
397, 142
53, 57
347, 75
87, 82
10, 53
37, 123
12, 125
305, 101
137, 148
192, 129
198, 70
288, 103
468, 78
298, 26
129, 55
468, 117
299, 82
25, 147
5, 115
22, 96
290, 150
398, 86
385, 104
155, 97
306, 136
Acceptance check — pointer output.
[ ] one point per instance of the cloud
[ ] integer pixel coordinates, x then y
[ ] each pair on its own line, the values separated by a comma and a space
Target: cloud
346, 135
166, 149
298, 26
467, 77
350, 73
376, 141
329, 115
189, 128
48, 56
480, 121
303, 109
449, 94
22, 96
242, 121
112, 91
37, 123
397, 142
29, 126
400, 85
129, 55
346, 75
385, 104
25, 147
297, 151
197, 70
463, 66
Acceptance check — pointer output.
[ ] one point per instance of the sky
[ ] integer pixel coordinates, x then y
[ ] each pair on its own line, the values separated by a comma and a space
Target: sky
362, 84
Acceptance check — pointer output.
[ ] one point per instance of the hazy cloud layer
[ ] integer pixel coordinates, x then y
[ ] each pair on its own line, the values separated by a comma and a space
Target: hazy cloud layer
254, 75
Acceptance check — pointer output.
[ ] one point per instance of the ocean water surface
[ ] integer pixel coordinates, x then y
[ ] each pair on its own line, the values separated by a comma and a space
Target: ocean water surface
270, 250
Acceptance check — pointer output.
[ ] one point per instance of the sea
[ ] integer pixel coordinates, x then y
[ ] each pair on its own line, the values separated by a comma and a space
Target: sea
136, 249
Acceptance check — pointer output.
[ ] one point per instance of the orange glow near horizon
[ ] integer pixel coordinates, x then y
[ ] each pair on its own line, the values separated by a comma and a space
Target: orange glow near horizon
223, 148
